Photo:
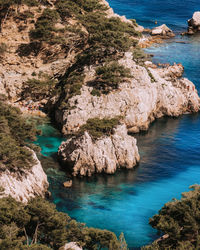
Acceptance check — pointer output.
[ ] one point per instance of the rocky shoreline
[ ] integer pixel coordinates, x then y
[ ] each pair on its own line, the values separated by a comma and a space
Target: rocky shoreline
150, 93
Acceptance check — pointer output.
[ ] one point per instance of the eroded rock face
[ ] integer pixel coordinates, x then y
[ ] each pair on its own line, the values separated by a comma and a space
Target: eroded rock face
84, 156
24, 186
194, 23
152, 93
162, 30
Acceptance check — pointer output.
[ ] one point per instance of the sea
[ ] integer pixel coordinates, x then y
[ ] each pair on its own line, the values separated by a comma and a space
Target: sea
170, 150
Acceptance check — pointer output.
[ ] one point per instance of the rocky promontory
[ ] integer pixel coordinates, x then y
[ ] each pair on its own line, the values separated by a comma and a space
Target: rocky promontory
150, 93
85, 156
81, 61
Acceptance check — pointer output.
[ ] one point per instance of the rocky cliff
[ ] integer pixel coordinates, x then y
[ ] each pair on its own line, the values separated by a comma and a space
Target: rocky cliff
26, 185
151, 93
81, 61
85, 156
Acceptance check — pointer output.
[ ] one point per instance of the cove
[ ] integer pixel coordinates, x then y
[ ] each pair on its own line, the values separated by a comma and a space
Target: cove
170, 159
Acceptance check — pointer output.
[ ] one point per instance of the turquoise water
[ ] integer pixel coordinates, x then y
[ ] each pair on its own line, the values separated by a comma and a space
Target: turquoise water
50, 139
170, 159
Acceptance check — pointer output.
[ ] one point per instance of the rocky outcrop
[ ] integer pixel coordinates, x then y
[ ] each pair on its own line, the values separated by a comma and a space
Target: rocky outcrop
70, 246
163, 31
150, 94
194, 23
85, 156
23, 186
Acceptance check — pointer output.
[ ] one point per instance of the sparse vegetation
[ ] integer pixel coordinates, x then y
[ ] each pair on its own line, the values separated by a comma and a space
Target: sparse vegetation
150, 75
44, 27
37, 89
98, 127
3, 48
109, 76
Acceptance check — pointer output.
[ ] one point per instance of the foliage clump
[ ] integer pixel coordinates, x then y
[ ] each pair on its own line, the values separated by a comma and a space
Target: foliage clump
8, 3
38, 225
15, 134
98, 127
73, 8
37, 89
109, 76
44, 27
179, 221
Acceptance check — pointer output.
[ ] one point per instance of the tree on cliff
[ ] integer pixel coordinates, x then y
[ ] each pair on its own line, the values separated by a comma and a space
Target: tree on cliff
179, 221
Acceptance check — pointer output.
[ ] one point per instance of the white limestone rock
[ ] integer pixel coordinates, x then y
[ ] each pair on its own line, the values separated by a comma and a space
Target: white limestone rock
84, 156
194, 23
162, 30
24, 186
152, 93
71, 246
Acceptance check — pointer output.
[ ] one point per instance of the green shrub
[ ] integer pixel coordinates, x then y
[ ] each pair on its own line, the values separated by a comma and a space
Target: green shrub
7, 3
44, 26
179, 221
15, 134
69, 8
38, 225
38, 89
99, 127
71, 84
109, 33
95, 92
109, 76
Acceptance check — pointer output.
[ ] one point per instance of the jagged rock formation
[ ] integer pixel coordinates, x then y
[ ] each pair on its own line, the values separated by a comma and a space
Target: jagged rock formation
162, 30
150, 94
194, 23
23, 186
85, 156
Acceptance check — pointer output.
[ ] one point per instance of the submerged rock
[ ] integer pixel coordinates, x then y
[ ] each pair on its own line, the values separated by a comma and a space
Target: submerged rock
162, 30
67, 184
85, 156
23, 186
194, 23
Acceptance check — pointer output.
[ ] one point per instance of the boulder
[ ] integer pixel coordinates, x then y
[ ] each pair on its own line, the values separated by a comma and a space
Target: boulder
70, 246
85, 156
194, 23
67, 184
162, 30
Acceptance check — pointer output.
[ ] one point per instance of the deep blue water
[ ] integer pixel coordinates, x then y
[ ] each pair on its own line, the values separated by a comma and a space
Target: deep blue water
170, 159
174, 13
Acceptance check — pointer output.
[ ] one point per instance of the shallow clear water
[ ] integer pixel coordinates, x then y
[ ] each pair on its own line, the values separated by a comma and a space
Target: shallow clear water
170, 159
